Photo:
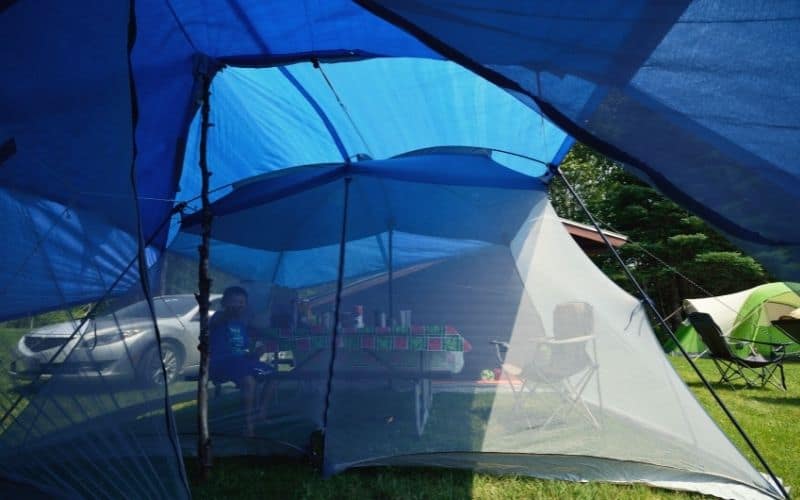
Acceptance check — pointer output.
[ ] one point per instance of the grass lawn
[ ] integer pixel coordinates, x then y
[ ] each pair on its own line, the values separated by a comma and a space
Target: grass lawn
769, 416
8, 397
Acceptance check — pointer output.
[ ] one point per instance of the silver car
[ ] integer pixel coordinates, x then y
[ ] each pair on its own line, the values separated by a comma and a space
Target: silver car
118, 345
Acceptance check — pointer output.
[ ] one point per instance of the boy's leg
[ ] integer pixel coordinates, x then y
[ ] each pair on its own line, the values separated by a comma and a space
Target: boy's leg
248, 385
267, 394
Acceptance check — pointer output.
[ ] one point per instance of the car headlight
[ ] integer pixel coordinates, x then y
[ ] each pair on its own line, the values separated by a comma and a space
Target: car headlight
90, 340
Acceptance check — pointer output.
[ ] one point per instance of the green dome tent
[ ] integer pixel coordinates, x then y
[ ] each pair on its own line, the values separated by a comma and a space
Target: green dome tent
744, 315
688, 338
767, 303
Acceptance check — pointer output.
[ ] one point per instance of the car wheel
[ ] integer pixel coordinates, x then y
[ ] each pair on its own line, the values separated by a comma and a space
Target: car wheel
150, 369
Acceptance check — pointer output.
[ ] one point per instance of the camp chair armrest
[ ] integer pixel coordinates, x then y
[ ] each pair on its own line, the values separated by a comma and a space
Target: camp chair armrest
776, 344
572, 340
500, 350
501, 347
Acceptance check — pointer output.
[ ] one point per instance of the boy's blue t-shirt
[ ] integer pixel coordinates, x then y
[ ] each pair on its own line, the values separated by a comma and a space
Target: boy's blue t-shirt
229, 339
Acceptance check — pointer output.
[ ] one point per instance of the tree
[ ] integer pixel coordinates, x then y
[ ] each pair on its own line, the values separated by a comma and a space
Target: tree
674, 254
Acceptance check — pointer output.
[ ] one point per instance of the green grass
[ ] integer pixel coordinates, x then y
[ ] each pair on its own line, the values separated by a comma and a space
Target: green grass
769, 416
8, 389
8, 339
261, 478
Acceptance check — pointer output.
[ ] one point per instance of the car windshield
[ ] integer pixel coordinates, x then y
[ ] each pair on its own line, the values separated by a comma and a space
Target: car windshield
166, 307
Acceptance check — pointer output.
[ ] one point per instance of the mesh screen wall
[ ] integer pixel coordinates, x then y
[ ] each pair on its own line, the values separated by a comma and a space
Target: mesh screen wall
471, 332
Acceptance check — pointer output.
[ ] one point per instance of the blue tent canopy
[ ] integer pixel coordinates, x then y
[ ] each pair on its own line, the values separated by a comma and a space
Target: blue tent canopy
296, 215
268, 119
428, 168
315, 266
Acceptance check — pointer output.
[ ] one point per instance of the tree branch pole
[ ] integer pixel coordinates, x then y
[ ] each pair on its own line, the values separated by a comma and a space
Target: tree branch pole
204, 285
647, 300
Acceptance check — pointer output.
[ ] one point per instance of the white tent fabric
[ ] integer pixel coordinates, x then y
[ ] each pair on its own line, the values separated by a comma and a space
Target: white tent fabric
635, 382
722, 308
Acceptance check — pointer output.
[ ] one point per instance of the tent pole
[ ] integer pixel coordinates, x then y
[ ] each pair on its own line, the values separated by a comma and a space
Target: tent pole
673, 313
144, 278
204, 284
647, 300
391, 275
336, 313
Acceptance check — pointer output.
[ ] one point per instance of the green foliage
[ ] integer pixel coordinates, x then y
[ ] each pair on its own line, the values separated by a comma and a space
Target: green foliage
726, 271
48, 318
179, 275
10, 389
589, 173
665, 241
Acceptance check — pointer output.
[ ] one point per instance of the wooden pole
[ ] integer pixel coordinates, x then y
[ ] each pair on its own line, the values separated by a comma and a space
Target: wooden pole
204, 285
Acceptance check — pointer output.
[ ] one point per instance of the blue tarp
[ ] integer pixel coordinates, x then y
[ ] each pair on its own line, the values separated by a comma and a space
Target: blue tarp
64, 255
701, 98
68, 212
68, 135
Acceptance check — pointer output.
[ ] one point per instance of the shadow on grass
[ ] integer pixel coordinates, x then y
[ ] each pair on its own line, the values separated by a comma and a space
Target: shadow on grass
757, 393
717, 386
778, 400
724, 387
255, 477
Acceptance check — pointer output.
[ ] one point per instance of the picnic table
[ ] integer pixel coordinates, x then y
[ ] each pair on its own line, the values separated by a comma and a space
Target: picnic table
418, 353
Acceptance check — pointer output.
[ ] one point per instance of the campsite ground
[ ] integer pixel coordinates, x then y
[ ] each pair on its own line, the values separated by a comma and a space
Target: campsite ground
768, 415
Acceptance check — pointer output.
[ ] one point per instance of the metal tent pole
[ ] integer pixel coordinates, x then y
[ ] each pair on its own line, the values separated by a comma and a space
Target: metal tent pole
647, 300
336, 313
144, 279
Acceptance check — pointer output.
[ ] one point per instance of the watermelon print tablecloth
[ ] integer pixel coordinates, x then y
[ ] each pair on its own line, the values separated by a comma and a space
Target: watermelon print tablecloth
428, 338
428, 348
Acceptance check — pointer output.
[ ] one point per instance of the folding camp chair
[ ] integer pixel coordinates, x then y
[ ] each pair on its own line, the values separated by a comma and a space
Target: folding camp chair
755, 370
561, 364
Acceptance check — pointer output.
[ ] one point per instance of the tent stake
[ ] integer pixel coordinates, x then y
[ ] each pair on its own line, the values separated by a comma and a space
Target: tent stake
647, 300
204, 285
